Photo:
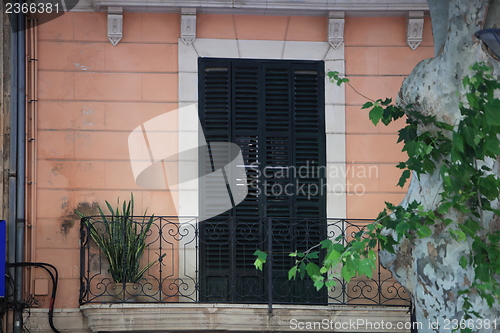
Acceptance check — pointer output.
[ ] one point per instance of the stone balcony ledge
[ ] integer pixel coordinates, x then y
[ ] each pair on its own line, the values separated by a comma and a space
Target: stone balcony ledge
243, 317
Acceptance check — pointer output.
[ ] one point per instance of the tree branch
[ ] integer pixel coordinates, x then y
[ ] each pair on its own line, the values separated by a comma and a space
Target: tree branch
439, 17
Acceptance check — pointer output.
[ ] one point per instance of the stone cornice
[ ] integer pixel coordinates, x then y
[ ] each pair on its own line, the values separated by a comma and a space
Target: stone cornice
273, 7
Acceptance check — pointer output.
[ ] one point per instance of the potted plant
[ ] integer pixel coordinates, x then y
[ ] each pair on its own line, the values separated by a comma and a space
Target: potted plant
122, 240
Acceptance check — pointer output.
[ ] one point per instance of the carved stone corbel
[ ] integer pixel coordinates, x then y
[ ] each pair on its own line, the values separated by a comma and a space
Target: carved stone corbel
335, 28
415, 28
115, 24
188, 25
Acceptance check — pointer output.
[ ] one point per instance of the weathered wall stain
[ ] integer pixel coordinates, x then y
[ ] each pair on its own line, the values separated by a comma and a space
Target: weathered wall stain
71, 217
57, 168
66, 226
87, 209
65, 203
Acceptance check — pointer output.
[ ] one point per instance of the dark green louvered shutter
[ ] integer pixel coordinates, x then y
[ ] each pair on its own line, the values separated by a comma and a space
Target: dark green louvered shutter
274, 110
215, 99
295, 147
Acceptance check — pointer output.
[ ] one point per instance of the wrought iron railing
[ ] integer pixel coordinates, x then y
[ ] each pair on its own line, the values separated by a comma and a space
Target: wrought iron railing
212, 261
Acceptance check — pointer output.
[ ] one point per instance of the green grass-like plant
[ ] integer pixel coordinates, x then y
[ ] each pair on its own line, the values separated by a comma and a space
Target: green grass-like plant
122, 240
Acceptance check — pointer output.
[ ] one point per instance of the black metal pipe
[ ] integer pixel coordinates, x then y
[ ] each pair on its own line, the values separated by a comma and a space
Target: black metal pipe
21, 135
21, 158
13, 144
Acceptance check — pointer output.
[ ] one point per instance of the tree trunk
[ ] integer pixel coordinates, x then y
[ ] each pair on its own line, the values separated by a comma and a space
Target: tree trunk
429, 267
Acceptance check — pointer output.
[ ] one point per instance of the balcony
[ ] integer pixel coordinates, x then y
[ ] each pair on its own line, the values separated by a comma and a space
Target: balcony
207, 267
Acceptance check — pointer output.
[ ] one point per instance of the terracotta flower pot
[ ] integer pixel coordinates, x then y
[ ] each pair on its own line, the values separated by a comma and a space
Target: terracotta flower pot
126, 292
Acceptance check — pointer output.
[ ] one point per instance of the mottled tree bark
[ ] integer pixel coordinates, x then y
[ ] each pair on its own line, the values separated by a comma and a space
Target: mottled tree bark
429, 268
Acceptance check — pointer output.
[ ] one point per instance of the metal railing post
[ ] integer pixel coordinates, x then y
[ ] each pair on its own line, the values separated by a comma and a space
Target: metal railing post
197, 260
345, 297
232, 259
270, 264
83, 264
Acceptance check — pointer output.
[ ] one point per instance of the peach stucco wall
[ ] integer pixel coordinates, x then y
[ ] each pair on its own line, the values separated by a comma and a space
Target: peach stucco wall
92, 95
377, 60
296, 28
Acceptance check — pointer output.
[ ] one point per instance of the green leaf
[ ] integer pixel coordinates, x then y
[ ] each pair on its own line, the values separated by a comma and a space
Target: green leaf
491, 111
347, 273
404, 176
489, 300
325, 244
292, 273
261, 255
258, 264
332, 256
318, 282
366, 267
468, 134
492, 146
424, 231
338, 247
407, 134
261, 259
386, 101
376, 114
302, 269
472, 225
313, 270
463, 262
401, 165
402, 227
391, 113
442, 125
334, 77
458, 141
330, 283
372, 243
312, 255
459, 235
445, 207
367, 105
445, 175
